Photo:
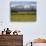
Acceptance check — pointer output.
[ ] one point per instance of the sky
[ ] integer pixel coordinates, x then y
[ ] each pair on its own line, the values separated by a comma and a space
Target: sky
25, 4
23, 0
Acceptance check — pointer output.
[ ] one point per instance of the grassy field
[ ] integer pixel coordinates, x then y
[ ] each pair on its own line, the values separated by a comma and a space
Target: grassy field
23, 16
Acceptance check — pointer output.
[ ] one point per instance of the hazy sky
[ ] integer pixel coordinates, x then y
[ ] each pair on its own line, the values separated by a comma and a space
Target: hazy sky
25, 3
23, 0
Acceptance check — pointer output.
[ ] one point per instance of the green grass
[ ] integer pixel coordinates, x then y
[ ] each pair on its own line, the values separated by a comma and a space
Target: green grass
23, 16
23, 13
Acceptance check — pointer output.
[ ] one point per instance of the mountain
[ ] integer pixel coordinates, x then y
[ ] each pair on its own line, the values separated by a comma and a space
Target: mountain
24, 7
21, 6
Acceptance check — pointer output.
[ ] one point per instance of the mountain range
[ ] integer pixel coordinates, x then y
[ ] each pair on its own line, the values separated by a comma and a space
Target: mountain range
23, 5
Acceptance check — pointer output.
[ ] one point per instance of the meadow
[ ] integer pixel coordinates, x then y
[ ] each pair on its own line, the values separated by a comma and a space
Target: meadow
23, 15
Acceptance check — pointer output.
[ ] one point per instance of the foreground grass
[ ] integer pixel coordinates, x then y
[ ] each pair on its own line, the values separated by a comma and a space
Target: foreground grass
23, 16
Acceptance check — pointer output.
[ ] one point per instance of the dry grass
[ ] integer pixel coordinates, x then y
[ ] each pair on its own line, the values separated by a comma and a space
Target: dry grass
23, 18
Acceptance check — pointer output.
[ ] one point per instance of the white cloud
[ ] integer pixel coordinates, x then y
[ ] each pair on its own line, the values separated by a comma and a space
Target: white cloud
27, 6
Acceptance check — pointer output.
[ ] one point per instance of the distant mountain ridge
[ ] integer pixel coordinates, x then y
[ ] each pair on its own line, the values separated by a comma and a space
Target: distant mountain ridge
23, 6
